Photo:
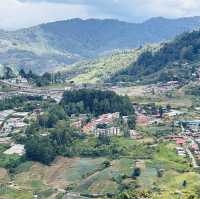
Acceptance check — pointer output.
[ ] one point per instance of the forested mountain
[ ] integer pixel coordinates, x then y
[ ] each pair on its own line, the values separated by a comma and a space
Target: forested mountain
44, 47
175, 60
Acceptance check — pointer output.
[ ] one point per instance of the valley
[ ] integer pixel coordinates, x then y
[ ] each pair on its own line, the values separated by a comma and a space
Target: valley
101, 109
149, 150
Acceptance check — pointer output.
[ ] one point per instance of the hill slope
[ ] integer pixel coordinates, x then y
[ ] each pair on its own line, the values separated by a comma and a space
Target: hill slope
175, 60
100, 69
104, 67
46, 46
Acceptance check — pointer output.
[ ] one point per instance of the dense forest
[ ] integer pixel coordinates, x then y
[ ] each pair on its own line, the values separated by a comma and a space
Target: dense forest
170, 59
95, 102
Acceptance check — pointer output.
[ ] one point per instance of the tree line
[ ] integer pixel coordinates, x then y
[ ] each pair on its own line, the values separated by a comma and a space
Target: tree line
42, 80
96, 102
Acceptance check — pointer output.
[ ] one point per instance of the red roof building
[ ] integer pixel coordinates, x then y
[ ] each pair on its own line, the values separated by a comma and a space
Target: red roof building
180, 141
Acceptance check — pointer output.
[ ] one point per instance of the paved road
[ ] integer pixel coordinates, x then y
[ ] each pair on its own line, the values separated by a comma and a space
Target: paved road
30, 88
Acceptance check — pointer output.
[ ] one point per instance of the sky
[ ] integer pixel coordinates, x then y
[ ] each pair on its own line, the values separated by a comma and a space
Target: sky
16, 14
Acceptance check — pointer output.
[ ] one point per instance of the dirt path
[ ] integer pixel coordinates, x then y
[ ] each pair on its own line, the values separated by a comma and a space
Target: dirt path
194, 163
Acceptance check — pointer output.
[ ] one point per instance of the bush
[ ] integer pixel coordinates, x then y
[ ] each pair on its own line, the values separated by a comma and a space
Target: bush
40, 149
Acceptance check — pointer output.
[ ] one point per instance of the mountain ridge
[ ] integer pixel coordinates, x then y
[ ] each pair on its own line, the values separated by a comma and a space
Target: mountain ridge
44, 47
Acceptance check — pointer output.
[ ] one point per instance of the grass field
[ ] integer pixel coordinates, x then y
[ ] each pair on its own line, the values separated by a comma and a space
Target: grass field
86, 175
83, 174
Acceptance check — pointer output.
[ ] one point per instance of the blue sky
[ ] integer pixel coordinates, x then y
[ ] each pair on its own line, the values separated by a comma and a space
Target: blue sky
16, 14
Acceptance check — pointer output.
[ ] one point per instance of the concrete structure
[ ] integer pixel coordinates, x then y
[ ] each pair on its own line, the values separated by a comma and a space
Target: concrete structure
106, 119
112, 131
15, 149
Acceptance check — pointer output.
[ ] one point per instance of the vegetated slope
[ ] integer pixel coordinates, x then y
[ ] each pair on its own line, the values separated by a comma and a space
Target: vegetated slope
91, 37
29, 49
175, 60
99, 69
47, 46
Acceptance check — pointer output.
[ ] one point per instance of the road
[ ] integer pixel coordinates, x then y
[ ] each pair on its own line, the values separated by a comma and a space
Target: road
194, 163
29, 90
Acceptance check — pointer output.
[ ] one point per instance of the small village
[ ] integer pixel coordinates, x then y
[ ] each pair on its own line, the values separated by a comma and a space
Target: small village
155, 125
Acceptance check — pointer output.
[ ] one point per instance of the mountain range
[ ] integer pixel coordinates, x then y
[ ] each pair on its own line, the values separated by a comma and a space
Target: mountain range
44, 47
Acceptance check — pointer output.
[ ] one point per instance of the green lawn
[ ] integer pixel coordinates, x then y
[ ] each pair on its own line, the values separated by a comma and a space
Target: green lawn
166, 158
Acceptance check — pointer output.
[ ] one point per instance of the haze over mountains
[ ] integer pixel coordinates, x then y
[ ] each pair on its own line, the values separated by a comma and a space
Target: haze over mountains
44, 47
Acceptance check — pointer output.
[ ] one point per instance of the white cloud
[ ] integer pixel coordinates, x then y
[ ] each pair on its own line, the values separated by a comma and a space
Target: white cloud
16, 14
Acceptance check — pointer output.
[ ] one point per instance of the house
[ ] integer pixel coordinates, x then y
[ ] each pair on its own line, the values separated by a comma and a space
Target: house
181, 151
135, 135
20, 114
173, 113
89, 128
107, 119
112, 131
180, 142
189, 123
142, 119
77, 124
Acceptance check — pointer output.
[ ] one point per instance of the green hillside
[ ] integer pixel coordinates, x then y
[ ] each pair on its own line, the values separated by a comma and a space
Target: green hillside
177, 60
102, 68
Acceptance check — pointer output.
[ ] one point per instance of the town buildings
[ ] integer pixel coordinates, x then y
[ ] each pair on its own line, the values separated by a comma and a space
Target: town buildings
94, 127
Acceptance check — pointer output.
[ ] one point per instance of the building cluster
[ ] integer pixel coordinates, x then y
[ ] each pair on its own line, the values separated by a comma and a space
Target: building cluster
162, 87
188, 141
18, 80
104, 124
12, 121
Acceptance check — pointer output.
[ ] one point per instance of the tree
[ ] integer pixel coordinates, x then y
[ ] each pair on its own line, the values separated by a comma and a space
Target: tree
96, 102
131, 122
106, 164
62, 134
160, 173
168, 107
186, 53
136, 172
161, 111
43, 120
40, 149
22, 73
103, 139
184, 183
126, 132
